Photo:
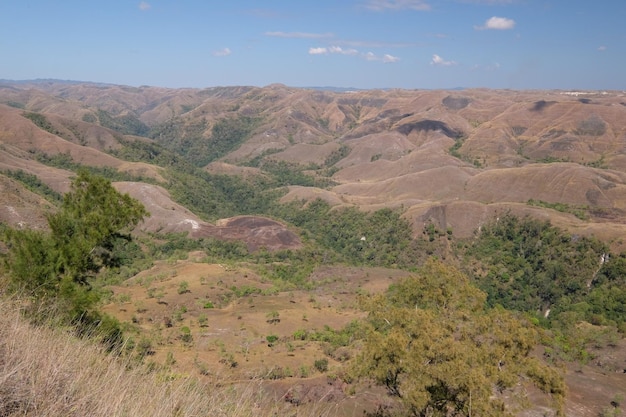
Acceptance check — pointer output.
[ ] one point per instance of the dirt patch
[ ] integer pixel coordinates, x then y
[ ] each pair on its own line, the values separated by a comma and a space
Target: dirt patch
257, 232
167, 216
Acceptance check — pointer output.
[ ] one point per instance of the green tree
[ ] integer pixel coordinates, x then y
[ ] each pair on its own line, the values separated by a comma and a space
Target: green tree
436, 346
530, 265
92, 217
57, 266
31, 261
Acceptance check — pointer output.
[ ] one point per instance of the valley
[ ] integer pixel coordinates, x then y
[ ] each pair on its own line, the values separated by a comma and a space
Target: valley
276, 213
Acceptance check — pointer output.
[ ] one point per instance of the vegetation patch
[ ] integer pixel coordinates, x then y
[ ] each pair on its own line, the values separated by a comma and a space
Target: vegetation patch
127, 124
435, 345
581, 212
34, 184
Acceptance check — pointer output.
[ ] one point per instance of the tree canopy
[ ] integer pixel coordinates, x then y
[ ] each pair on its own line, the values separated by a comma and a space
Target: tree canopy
57, 265
435, 345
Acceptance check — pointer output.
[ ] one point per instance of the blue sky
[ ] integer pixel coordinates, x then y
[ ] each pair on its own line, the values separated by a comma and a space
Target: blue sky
413, 44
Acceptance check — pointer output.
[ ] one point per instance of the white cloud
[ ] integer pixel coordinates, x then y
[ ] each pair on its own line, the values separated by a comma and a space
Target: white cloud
302, 35
386, 58
497, 23
144, 5
338, 50
318, 51
602, 48
439, 61
222, 52
390, 58
381, 5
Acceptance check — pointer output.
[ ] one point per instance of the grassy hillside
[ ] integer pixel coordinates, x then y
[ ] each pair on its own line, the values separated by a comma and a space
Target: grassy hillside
266, 243
49, 372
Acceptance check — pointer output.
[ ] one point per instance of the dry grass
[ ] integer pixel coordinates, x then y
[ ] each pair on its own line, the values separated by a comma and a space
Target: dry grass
48, 372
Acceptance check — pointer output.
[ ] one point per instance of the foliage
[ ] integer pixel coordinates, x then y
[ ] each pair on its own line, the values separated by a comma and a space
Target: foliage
293, 273
289, 173
16, 104
57, 267
219, 196
65, 161
529, 265
381, 238
31, 261
572, 284
245, 290
128, 123
273, 317
455, 148
183, 287
321, 365
209, 196
149, 152
580, 212
165, 246
34, 184
92, 217
190, 141
436, 346
337, 155
41, 122
335, 338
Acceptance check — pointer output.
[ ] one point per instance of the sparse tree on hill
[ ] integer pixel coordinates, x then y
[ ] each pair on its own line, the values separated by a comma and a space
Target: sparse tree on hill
435, 346
57, 266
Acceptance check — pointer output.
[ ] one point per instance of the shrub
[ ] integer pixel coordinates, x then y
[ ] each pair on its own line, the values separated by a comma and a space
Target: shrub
300, 334
321, 365
183, 287
271, 339
273, 317
185, 335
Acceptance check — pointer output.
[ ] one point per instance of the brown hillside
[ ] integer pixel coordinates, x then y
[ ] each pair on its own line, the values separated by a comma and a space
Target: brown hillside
21, 208
457, 159
510, 146
166, 216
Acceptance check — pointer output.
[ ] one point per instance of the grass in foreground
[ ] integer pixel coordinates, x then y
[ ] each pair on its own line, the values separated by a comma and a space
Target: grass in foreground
48, 372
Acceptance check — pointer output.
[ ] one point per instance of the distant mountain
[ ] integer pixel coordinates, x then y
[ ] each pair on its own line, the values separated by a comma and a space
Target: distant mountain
48, 81
453, 157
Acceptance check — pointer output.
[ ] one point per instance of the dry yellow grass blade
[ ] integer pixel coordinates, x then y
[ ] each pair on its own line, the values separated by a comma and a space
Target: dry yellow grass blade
48, 372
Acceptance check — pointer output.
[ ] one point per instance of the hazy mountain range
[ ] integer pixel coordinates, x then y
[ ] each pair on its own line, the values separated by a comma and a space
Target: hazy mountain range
451, 157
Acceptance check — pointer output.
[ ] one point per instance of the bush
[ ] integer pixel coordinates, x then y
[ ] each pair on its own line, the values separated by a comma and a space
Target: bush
321, 365
185, 335
271, 339
183, 287
300, 334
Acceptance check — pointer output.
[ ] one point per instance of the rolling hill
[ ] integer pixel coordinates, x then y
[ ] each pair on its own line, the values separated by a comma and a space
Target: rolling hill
467, 152
232, 164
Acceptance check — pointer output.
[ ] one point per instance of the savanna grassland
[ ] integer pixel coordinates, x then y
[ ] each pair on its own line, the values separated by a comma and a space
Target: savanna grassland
279, 251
